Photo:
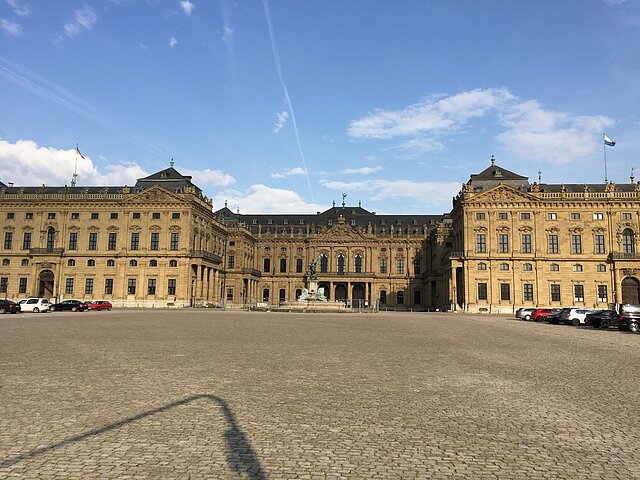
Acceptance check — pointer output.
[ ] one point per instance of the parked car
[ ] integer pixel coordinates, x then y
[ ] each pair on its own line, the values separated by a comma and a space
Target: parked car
100, 305
556, 318
7, 306
525, 313
601, 318
539, 314
34, 304
575, 316
73, 305
628, 317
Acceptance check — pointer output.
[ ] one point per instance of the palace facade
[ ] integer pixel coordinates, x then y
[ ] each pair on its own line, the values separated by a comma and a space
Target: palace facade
506, 243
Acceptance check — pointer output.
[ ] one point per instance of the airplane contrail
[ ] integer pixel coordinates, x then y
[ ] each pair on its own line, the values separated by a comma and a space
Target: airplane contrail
276, 59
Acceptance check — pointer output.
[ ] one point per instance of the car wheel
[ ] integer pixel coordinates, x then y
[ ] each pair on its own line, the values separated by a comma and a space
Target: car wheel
51, 308
36, 310
575, 322
527, 317
74, 309
633, 327
108, 309
604, 323
2, 311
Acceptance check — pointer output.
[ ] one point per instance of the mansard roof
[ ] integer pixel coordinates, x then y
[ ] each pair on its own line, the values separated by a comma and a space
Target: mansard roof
495, 175
168, 178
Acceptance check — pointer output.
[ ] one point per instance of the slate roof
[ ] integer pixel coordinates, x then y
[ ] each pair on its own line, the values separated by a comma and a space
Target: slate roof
170, 179
495, 175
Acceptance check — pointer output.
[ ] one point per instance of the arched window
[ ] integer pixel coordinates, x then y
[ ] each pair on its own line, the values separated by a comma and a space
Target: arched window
482, 266
25, 262
266, 265
51, 238
6, 262
400, 297
111, 263
173, 263
133, 263
383, 265
527, 267
298, 292
282, 296
504, 266
153, 263
91, 262
324, 263
265, 295
417, 297
340, 263
627, 241
283, 265
554, 267
358, 263
601, 267
71, 262
383, 296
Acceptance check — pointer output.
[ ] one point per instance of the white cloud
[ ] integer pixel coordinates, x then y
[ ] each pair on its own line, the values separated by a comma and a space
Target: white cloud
209, 177
10, 28
227, 35
361, 170
281, 119
84, 18
528, 130
187, 6
19, 8
290, 172
430, 195
264, 199
173, 42
26, 163
613, 2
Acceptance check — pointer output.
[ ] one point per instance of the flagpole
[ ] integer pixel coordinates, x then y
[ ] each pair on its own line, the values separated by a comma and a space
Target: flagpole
604, 148
75, 169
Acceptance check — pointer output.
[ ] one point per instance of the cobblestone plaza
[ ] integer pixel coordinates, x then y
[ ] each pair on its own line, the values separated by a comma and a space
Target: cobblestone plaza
211, 394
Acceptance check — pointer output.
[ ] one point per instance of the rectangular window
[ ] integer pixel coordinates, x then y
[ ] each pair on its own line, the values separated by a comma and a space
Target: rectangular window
602, 294
599, 244
51, 216
4, 284
480, 216
502, 216
525, 216
266, 265
576, 243
283, 265
151, 286
171, 286
383, 265
175, 216
578, 293
135, 240
135, 215
155, 240
108, 286
552, 216
155, 215
400, 298
8, 240
575, 216
113, 216
175, 240
232, 261
552, 244
503, 243
299, 265
400, 266
22, 286
11, 215
482, 291
505, 292
526, 243
68, 286
93, 241
26, 241
28, 215
88, 286
230, 294
527, 292
481, 243
75, 216
73, 241
555, 293
416, 266
95, 216
131, 286
626, 216
598, 216
113, 240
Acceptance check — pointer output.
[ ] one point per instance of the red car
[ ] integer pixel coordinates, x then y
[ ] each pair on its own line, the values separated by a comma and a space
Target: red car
540, 314
100, 305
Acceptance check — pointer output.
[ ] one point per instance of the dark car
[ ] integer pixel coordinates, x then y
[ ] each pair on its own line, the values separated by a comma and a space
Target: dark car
601, 318
73, 305
556, 318
100, 305
7, 306
628, 317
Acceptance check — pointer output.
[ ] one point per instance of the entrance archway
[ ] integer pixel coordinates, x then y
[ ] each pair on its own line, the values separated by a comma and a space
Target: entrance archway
45, 284
630, 290
327, 290
341, 292
358, 292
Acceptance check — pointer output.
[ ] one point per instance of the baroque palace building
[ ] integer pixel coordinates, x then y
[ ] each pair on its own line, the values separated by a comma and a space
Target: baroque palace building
506, 243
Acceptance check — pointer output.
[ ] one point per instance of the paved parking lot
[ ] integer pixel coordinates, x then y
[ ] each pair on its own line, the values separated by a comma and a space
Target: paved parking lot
212, 394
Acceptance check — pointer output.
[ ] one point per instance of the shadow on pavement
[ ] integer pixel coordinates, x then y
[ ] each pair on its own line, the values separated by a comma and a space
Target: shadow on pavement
240, 456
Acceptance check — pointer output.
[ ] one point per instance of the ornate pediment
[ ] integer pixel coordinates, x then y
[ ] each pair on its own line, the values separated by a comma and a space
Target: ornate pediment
502, 194
341, 233
154, 194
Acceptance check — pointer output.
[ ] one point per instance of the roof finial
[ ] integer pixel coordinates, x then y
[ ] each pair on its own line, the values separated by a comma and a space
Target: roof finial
334, 203
171, 163
359, 203
493, 161
225, 203
344, 195
539, 176
632, 177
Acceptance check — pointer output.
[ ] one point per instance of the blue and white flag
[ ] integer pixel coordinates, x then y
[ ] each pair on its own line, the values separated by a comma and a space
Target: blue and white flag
609, 142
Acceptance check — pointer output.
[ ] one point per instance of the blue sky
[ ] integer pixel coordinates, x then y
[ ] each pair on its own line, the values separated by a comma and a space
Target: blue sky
283, 105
